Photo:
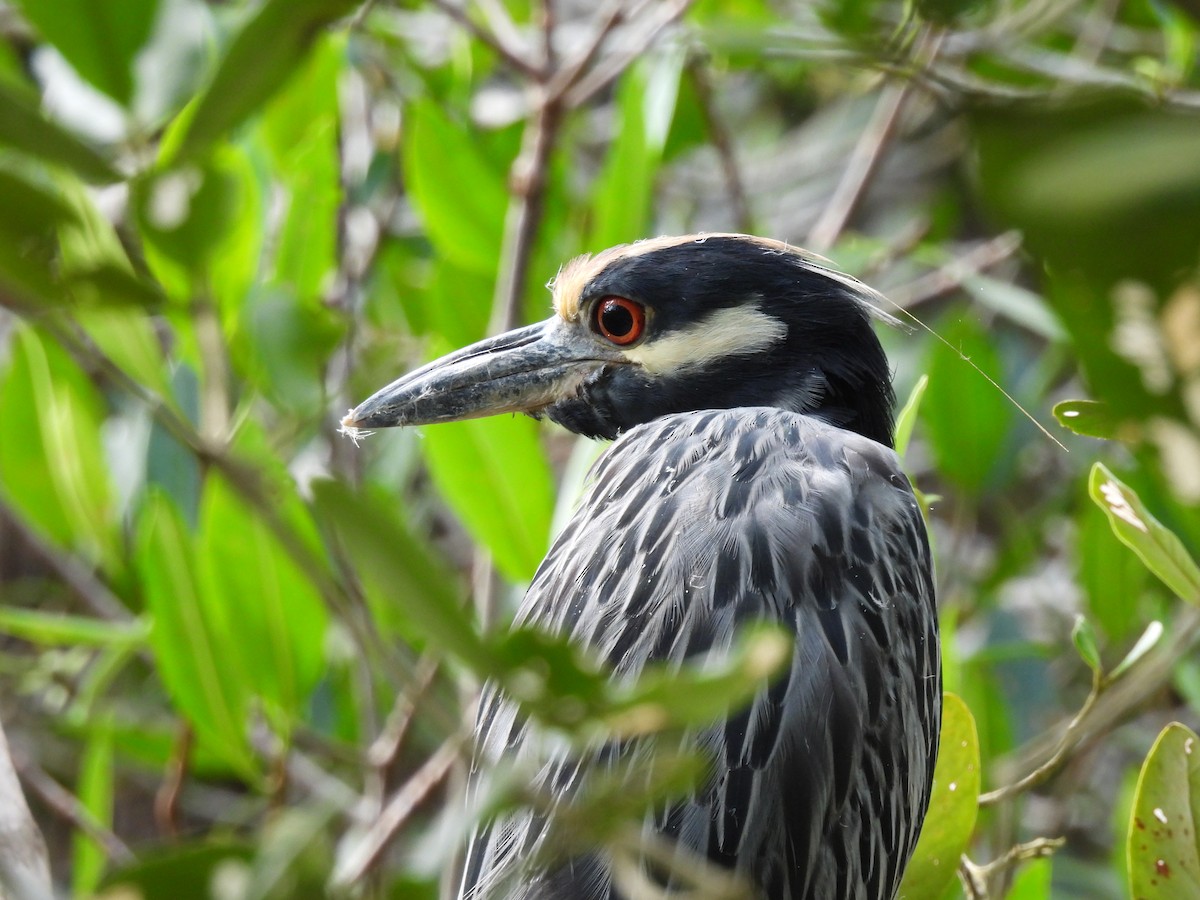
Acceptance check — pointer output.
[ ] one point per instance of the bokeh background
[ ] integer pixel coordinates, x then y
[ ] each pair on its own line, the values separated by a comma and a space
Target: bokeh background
238, 650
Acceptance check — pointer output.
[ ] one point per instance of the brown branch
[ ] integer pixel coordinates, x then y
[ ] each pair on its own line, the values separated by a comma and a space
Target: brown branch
976, 879
385, 748
527, 181
1108, 704
861, 167
166, 799
957, 271
869, 150
511, 55
603, 75
68, 807
360, 859
723, 143
303, 771
80, 579
568, 76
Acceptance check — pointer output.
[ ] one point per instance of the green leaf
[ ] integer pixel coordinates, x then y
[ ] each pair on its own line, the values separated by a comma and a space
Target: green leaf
99, 40
1157, 546
262, 56
52, 464
1147, 642
1114, 580
284, 345
190, 635
402, 575
95, 792
1163, 844
560, 685
907, 419
127, 337
24, 127
184, 871
952, 808
49, 628
966, 418
1105, 186
1084, 638
624, 189
300, 129
666, 697
1090, 418
273, 621
493, 473
187, 217
1032, 881
459, 192
1017, 304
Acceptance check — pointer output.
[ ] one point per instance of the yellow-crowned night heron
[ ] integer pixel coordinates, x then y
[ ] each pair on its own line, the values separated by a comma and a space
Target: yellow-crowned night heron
752, 478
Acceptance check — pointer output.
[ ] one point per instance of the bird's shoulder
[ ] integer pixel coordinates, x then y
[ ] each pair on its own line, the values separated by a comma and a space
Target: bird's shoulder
742, 512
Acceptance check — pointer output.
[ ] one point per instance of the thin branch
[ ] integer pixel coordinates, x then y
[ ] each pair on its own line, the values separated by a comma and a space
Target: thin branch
501, 23
385, 748
603, 75
1066, 743
957, 271
304, 771
360, 859
68, 807
512, 55
527, 180
1114, 701
77, 577
868, 151
861, 167
976, 879
566, 77
723, 143
166, 799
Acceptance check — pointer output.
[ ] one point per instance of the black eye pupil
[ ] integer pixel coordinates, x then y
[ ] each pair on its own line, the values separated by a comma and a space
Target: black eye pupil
616, 319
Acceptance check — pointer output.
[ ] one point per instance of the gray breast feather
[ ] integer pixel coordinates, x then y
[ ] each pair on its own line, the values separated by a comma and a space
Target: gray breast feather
693, 526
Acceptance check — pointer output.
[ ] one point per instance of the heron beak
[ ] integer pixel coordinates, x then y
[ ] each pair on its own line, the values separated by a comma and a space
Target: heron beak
524, 370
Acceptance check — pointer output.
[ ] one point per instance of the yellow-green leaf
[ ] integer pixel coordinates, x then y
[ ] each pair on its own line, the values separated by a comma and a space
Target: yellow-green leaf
952, 809
494, 473
1163, 846
1157, 546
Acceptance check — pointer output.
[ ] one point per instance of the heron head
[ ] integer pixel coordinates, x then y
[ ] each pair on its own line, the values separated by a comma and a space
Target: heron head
663, 326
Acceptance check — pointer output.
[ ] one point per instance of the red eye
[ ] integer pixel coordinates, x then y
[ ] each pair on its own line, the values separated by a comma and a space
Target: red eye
620, 320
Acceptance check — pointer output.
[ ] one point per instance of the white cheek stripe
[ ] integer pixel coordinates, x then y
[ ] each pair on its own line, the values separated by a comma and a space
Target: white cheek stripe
736, 331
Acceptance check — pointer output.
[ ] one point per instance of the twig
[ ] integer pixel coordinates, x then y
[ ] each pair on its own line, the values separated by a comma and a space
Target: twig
1066, 743
501, 23
527, 181
67, 807
364, 855
868, 151
304, 771
511, 55
603, 75
569, 75
76, 576
386, 746
166, 799
957, 271
1108, 705
861, 167
976, 878
723, 143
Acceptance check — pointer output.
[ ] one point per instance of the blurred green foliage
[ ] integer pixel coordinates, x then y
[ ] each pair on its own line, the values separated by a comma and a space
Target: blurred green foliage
236, 637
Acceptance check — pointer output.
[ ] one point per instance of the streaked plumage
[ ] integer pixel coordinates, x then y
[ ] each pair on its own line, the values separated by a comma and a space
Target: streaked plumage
731, 495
